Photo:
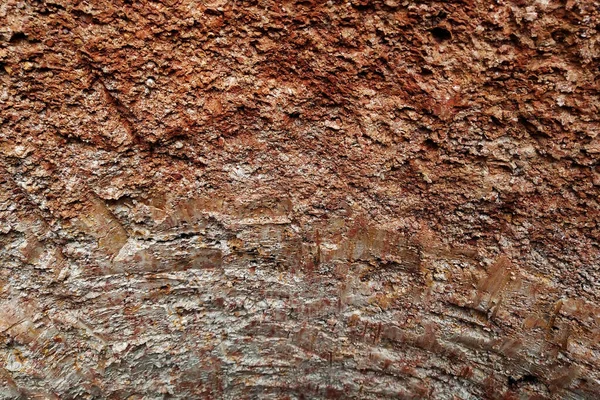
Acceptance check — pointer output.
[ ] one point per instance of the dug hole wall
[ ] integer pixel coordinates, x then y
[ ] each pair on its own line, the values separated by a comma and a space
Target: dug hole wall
299, 199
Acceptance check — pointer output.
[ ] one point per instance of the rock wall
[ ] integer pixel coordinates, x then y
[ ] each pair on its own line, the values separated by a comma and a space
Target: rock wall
299, 199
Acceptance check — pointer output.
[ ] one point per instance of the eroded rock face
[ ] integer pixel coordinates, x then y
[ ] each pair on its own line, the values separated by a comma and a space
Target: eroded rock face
266, 199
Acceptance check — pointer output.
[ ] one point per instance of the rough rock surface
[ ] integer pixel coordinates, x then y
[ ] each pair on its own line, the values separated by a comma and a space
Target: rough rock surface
299, 199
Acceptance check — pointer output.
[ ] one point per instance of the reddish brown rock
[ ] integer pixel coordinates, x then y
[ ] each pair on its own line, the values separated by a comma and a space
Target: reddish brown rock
363, 199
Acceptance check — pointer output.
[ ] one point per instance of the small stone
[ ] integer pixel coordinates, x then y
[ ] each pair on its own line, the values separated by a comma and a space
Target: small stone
333, 125
531, 14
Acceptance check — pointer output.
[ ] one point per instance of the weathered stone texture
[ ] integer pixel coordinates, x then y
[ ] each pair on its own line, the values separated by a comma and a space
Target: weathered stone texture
299, 199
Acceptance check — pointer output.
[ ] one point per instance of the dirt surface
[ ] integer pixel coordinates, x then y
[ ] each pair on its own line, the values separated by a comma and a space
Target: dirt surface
299, 199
